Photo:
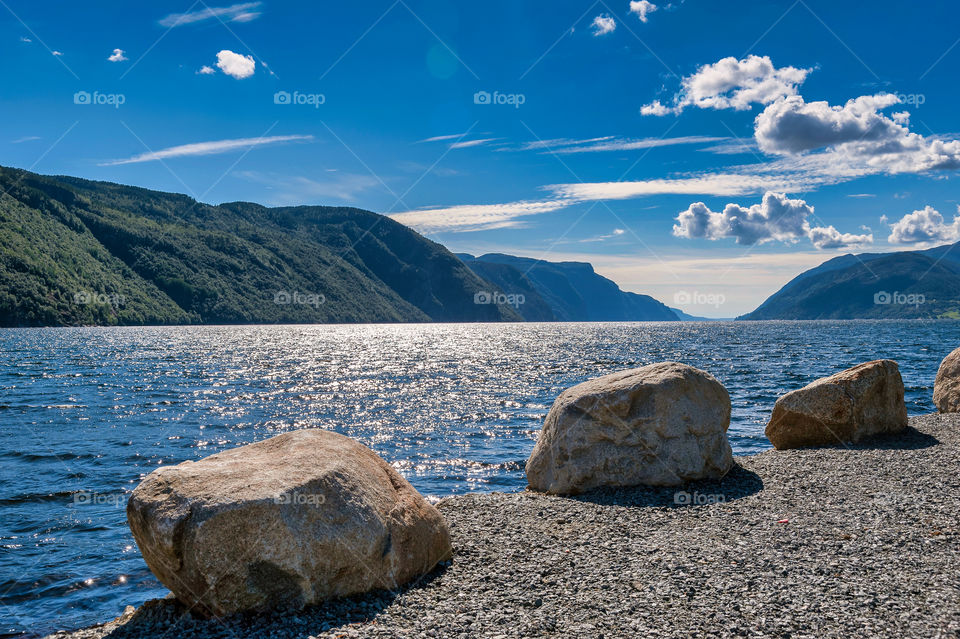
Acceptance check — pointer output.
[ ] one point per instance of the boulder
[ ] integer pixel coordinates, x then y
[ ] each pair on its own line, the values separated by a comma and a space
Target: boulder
659, 425
946, 390
284, 522
859, 402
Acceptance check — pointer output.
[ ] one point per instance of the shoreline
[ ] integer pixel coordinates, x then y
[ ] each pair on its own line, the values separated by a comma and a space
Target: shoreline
812, 543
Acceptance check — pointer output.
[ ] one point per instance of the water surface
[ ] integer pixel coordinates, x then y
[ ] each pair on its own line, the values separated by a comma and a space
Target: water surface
86, 413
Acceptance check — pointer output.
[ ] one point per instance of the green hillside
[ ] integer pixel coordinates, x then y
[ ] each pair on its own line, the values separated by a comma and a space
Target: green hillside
75, 252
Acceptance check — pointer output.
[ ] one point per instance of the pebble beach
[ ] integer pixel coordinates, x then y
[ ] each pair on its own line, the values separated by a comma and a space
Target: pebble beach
858, 541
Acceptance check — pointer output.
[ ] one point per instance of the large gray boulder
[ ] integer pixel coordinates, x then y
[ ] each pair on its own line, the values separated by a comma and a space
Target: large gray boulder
287, 521
946, 389
659, 425
859, 402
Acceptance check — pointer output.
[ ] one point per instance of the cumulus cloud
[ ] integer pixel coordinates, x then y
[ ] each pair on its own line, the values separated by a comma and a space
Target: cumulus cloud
733, 84
792, 125
830, 238
923, 226
206, 70
603, 24
642, 8
855, 133
117, 56
235, 65
775, 218
244, 12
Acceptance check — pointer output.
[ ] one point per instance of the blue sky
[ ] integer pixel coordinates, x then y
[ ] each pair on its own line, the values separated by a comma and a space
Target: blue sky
697, 151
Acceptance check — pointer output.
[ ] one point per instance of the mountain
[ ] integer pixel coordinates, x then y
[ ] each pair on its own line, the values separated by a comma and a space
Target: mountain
76, 252
686, 317
908, 284
571, 290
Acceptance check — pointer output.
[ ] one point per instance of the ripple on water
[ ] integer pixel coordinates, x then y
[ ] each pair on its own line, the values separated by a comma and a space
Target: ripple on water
455, 408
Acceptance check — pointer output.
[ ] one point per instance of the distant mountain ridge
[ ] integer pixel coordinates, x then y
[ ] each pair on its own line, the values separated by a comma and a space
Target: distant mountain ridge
77, 252
906, 284
570, 291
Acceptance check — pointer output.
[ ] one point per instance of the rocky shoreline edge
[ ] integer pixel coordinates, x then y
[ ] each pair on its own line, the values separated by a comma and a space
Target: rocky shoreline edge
846, 541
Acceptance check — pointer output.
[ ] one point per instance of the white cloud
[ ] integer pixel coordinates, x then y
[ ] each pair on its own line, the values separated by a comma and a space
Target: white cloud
603, 24
733, 84
775, 218
793, 126
642, 8
610, 143
855, 134
901, 117
206, 148
655, 108
235, 65
924, 226
25, 39
287, 190
830, 238
235, 13
26, 138
464, 144
442, 138
117, 56
56, 53
206, 70
475, 217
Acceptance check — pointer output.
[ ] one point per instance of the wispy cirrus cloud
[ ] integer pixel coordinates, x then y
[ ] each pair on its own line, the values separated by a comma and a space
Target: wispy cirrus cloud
243, 12
212, 147
465, 144
628, 144
291, 190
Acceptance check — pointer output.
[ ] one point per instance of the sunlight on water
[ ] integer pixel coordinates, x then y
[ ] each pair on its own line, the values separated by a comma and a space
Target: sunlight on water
86, 413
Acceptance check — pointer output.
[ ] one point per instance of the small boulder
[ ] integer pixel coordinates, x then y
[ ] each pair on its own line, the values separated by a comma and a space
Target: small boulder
288, 521
946, 390
659, 425
859, 402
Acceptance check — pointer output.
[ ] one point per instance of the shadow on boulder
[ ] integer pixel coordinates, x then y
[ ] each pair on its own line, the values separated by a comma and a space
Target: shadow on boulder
738, 483
169, 617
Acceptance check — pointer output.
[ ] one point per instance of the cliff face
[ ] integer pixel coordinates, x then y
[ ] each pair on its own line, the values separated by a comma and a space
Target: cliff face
571, 290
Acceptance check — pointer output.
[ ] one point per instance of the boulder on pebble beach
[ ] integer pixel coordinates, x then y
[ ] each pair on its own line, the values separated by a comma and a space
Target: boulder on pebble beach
285, 522
859, 402
946, 389
659, 425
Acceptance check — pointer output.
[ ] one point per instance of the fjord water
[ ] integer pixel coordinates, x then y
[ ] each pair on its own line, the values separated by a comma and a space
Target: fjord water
85, 413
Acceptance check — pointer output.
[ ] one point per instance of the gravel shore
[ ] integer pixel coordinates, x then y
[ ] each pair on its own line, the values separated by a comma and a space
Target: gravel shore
837, 542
